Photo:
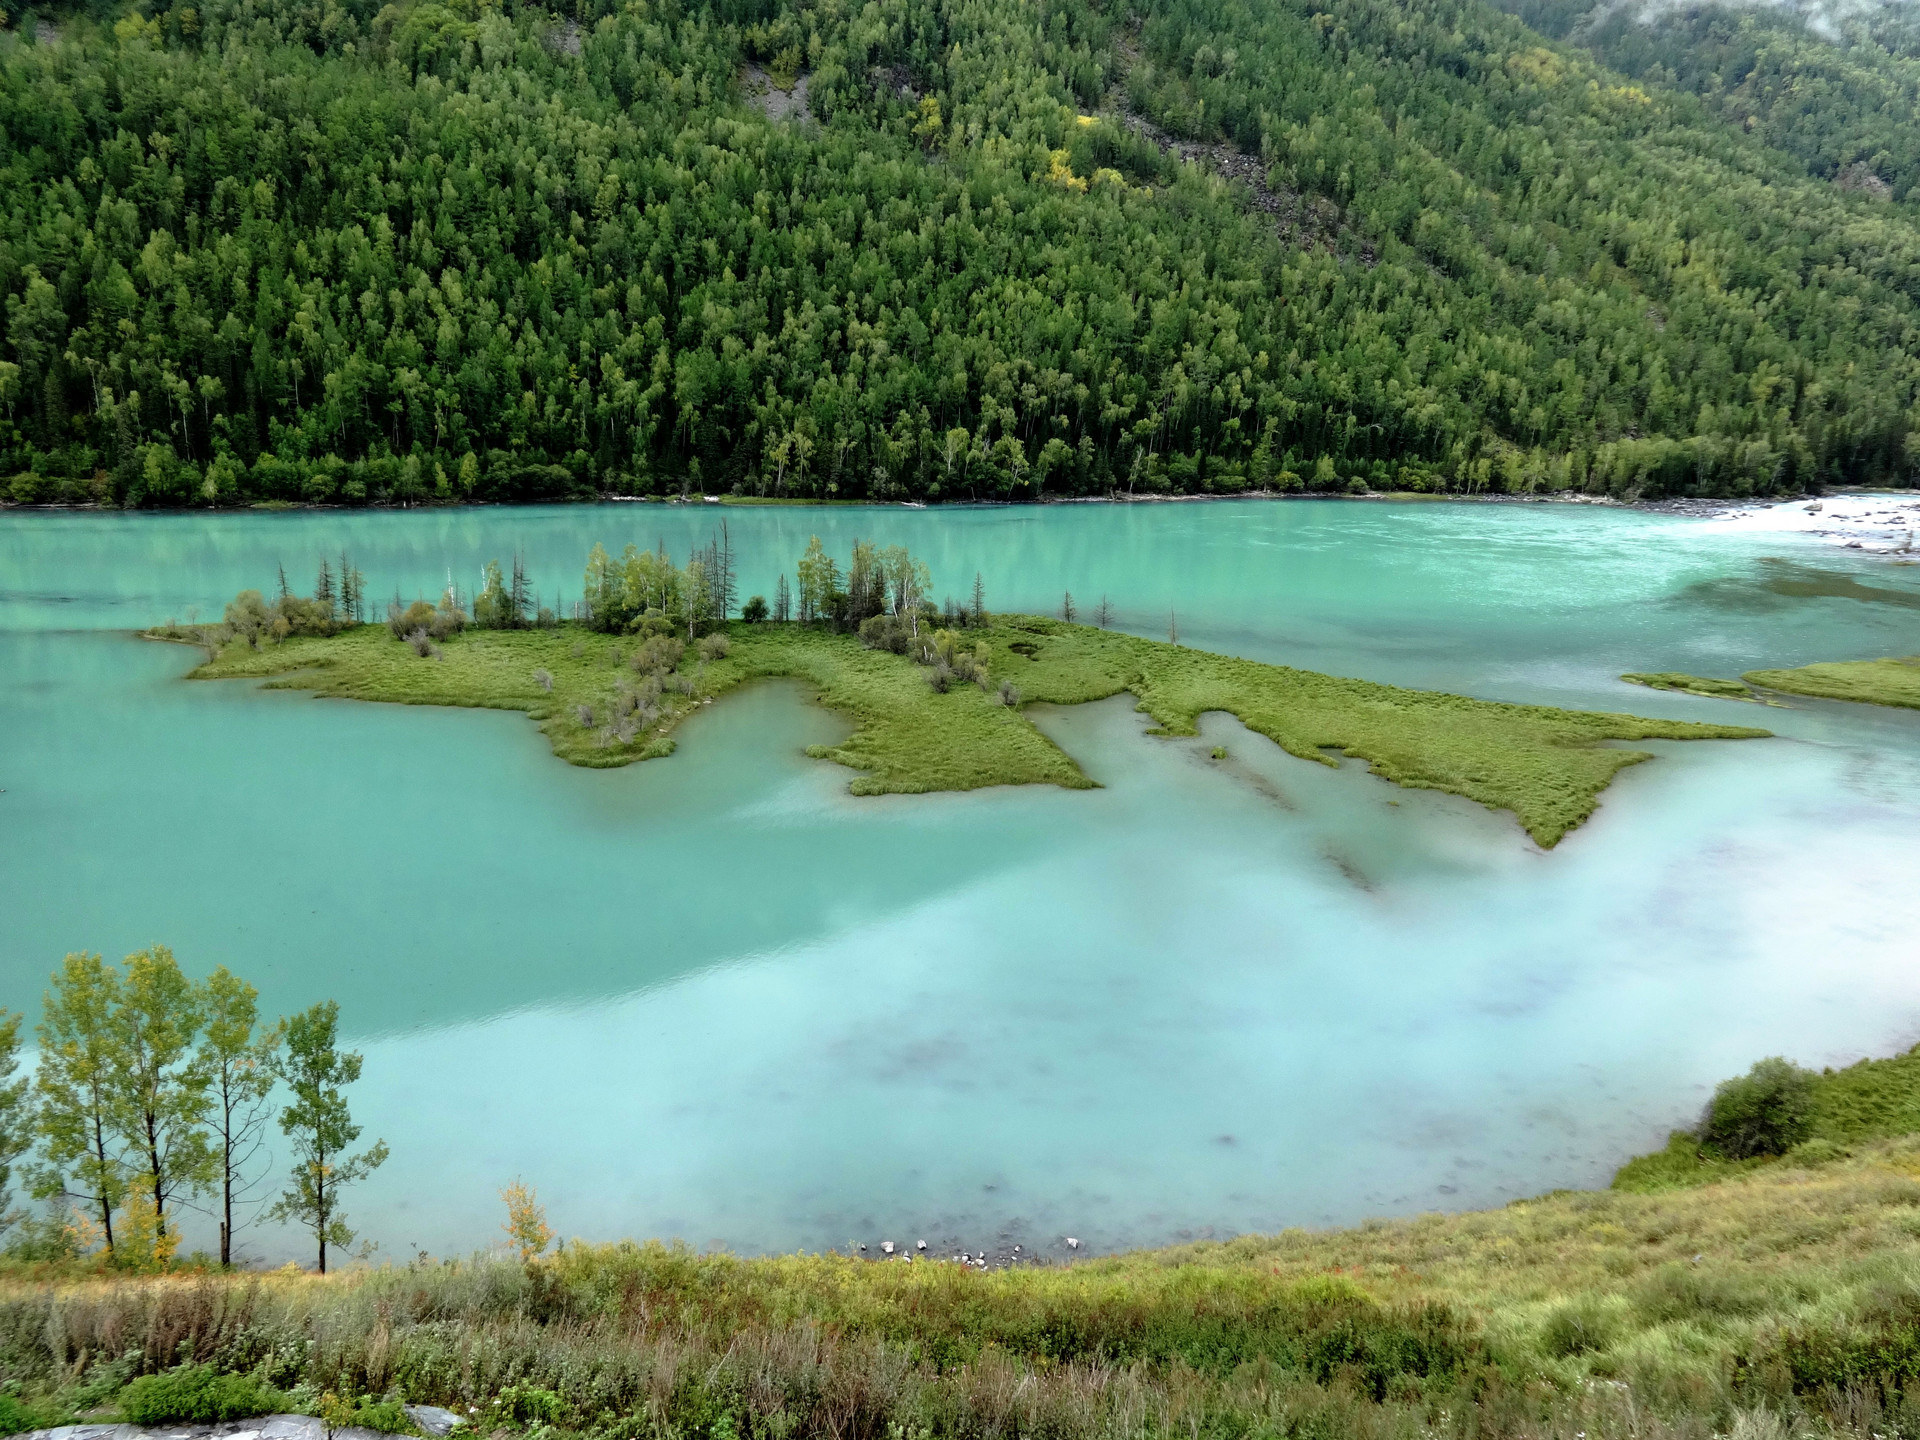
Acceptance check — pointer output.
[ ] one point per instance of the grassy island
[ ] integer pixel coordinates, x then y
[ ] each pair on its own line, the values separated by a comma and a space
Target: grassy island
936, 696
1547, 766
1867, 682
1685, 684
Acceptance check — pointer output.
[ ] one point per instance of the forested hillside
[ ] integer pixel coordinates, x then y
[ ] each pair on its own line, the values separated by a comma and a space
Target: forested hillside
1839, 94
328, 251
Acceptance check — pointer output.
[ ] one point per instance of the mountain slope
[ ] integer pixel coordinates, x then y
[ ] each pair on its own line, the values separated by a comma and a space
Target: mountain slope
443, 252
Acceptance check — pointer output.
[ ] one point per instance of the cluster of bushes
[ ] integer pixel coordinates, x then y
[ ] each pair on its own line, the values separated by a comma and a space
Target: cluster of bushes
639, 704
197, 1394
421, 623
338, 603
1782, 1111
952, 660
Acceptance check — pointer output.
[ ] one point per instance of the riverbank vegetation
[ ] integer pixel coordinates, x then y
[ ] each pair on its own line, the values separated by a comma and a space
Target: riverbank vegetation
152, 1093
1781, 1114
936, 694
1765, 1305
1704, 685
347, 255
1867, 682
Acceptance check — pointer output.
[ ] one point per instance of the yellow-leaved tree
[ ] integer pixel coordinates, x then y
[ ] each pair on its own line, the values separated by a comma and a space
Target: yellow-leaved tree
526, 1227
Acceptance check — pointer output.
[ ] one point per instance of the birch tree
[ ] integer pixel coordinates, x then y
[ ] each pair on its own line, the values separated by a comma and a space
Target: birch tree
79, 1058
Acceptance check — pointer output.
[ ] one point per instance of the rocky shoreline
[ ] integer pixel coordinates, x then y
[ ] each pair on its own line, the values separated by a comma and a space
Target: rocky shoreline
431, 1419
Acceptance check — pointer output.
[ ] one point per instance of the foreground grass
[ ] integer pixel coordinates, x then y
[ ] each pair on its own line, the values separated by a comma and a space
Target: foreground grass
1792, 1294
1868, 682
1547, 766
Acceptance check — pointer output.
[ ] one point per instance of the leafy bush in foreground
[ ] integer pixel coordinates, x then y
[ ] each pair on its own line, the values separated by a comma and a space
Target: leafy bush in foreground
1767, 1111
17, 1416
197, 1393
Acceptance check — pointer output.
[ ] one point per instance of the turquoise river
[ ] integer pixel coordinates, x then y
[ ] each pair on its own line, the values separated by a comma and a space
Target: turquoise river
716, 997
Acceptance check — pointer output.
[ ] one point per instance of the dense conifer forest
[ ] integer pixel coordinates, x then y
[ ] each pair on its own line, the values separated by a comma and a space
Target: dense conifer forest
333, 251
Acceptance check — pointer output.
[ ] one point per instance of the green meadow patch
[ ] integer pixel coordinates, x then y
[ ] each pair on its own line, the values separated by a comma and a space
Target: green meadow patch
608, 700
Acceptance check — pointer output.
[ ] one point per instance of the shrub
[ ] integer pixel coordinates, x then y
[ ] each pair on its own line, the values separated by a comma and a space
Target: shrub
1579, 1327
528, 1405
389, 1417
1767, 1111
17, 1417
417, 616
715, 647
197, 1394
1817, 1152
662, 652
754, 612
1008, 695
448, 620
543, 680
886, 632
1695, 1292
422, 645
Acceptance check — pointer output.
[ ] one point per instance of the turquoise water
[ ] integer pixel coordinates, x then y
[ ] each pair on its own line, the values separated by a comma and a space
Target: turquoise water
717, 997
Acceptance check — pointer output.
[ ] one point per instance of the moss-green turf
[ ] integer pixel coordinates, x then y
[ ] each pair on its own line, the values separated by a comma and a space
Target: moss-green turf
1547, 766
1867, 682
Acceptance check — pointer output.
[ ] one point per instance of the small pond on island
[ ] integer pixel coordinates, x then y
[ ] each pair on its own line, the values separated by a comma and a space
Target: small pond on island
719, 998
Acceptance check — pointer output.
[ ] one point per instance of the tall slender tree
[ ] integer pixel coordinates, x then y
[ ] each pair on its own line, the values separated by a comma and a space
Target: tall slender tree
818, 578
76, 1081
161, 1103
782, 599
979, 600
353, 587
519, 594
725, 586
238, 1059
321, 1127
16, 1112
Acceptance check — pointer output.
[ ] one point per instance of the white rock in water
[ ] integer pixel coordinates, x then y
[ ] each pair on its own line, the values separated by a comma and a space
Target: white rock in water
1072, 1244
887, 1246
919, 1244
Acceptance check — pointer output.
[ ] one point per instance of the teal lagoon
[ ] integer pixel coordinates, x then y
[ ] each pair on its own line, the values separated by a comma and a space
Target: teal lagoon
716, 997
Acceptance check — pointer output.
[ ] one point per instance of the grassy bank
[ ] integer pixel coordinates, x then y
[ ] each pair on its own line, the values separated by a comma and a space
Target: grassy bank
1861, 1105
1703, 685
1547, 766
1868, 682
1785, 1299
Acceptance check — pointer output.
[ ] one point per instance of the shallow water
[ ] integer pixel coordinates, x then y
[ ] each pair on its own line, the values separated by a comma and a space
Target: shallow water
719, 998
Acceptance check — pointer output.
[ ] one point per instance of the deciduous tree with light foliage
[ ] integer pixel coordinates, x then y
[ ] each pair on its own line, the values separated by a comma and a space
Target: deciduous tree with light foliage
526, 1226
238, 1059
79, 1055
321, 1128
161, 1099
16, 1112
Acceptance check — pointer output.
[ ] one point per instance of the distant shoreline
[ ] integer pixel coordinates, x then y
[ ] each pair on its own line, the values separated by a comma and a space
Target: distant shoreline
1704, 508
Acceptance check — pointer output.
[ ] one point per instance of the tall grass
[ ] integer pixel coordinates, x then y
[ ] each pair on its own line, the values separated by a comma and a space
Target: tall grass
1781, 1303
